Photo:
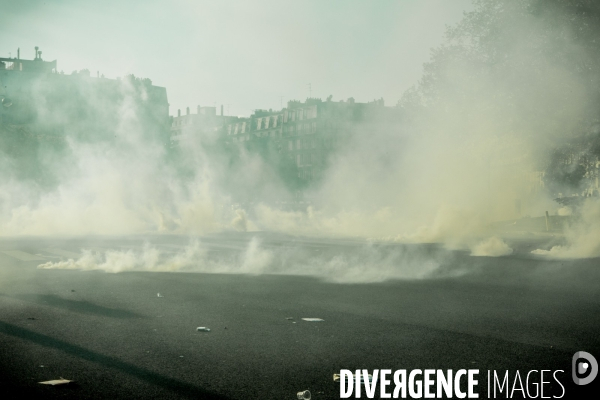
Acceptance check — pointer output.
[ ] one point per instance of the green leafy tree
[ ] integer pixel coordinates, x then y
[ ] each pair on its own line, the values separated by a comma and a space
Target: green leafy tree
531, 70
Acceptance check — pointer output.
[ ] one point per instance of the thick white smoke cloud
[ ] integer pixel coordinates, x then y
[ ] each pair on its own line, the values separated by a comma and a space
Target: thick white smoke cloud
147, 259
473, 154
582, 238
492, 247
111, 180
363, 262
450, 169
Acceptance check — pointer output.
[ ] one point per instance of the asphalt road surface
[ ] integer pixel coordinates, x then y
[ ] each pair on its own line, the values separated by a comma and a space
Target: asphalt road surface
116, 338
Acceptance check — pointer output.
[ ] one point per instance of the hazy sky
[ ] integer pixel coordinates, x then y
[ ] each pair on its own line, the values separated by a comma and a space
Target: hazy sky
243, 54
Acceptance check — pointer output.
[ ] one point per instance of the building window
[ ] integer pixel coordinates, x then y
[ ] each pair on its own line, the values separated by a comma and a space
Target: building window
290, 145
298, 160
267, 119
258, 123
297, 144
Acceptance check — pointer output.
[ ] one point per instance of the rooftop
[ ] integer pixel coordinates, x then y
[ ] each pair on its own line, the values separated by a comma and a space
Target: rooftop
35, 65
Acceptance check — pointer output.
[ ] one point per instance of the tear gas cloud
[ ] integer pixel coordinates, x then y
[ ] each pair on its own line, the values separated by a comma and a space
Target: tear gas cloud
474, 137
346, 263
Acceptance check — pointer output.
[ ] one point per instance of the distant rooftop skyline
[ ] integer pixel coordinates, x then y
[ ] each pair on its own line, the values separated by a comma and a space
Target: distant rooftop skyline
244, 55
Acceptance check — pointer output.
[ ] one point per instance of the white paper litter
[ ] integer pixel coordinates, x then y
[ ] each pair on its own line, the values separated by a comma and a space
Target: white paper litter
61, 381
336, 378
313, 319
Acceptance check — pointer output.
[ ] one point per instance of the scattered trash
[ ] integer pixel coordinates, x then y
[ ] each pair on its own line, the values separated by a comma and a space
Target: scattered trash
305, 395
180, 356
159, 295
202, 329
313, 319
41, 366
336, 378
294, 322
61, 381
289, 318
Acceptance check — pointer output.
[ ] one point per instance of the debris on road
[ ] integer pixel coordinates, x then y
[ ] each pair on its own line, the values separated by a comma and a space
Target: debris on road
289, 318
159, 295
305, 395
313, 319
61, 381
336, 378
202, 329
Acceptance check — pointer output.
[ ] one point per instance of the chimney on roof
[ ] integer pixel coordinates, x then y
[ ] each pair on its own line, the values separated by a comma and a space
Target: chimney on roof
179, 112
36, 52
221, 110
19, 53
187, 111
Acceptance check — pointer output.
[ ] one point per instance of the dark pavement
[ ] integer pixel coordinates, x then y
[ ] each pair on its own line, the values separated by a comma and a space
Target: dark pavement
115, 338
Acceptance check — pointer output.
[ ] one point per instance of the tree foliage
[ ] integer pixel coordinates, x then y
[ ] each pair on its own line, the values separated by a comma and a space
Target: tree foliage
528, 68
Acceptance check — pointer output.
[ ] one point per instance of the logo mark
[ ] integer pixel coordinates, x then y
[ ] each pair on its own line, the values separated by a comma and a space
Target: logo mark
584, 364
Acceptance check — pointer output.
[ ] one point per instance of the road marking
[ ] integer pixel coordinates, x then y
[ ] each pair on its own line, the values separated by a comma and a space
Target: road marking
22, 255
